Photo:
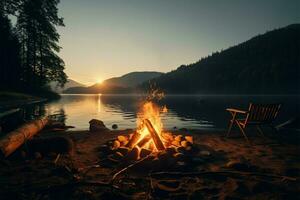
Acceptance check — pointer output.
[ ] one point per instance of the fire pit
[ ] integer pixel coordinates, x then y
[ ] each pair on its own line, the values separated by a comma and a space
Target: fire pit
149, 142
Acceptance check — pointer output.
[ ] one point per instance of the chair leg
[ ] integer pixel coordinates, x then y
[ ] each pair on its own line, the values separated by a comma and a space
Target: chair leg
229, 128
243, 132
231, 124
260, 131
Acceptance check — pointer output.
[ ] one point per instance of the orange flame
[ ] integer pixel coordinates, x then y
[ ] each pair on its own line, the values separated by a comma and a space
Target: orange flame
151, 112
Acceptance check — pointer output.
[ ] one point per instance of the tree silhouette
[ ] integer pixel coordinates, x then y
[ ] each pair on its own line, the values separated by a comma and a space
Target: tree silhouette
268, 63
28, 52
37, 22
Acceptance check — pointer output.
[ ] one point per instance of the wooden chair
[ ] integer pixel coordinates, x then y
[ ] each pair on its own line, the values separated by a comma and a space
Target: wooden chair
257, 114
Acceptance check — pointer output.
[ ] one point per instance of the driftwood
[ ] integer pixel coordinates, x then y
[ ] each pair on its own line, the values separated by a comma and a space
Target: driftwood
128, 167
13, 140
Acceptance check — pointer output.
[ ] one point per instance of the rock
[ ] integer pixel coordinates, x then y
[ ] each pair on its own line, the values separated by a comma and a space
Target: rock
204, 153
122, 138
118, 156
179, 138
189, 148
189, 139
123, 150
116, 144
112, 158
179, 156
168, 136
97, 125
176, 143
114, 126
103, 148
133, 154
237, 165
180, 150
171, 150
38, 155
144, 153
185, 143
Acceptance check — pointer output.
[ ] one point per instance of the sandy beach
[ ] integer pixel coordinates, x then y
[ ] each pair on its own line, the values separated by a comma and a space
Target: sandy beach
221, 168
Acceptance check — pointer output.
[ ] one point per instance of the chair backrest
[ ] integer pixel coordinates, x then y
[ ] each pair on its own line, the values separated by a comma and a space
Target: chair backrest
262, 113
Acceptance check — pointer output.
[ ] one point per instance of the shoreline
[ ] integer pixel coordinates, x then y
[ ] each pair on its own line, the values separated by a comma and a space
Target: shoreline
10, 100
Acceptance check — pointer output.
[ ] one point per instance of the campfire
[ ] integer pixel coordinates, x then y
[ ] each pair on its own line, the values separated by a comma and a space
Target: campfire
149, 140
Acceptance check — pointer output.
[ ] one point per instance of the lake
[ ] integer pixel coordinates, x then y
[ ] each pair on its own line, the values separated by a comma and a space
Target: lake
184, 111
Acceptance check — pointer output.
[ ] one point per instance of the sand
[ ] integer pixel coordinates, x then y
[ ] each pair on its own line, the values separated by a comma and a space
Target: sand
222, 168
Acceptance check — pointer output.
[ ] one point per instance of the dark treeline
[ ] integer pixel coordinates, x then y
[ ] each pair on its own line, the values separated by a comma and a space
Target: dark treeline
265, 64
28, 49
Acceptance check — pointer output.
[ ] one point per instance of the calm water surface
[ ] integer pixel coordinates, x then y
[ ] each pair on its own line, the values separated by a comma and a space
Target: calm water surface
196, 112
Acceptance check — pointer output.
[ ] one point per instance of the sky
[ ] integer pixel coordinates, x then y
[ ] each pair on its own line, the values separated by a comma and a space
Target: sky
109, 38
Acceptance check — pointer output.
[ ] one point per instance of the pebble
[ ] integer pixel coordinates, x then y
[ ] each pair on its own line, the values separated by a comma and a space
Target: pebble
204, 153
114, 126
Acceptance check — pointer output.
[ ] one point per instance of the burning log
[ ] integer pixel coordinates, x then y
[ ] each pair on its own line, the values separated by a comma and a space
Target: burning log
13, 140
144, 141
134, 139
156, 139
133, 154
115, 145
144, 153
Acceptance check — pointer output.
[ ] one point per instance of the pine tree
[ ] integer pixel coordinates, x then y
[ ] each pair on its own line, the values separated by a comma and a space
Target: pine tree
10, 67
36, 24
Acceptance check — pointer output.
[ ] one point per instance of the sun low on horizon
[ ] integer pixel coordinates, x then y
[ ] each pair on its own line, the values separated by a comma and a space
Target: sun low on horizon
112, 38
99, 81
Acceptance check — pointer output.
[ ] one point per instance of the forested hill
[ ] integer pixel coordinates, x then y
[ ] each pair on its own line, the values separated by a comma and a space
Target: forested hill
123, 84
265, 64
132, 79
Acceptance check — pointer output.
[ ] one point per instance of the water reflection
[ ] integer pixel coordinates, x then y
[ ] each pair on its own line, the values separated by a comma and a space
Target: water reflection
183, 111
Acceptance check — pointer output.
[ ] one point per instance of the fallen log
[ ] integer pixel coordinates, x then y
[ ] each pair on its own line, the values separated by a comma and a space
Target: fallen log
13, 140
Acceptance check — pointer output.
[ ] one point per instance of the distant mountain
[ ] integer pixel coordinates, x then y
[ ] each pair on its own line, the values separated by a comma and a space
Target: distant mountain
131, 79
70, 83
123, 84
265, 64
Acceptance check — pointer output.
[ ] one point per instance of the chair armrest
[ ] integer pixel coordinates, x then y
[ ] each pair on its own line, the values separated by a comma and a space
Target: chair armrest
233, 110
